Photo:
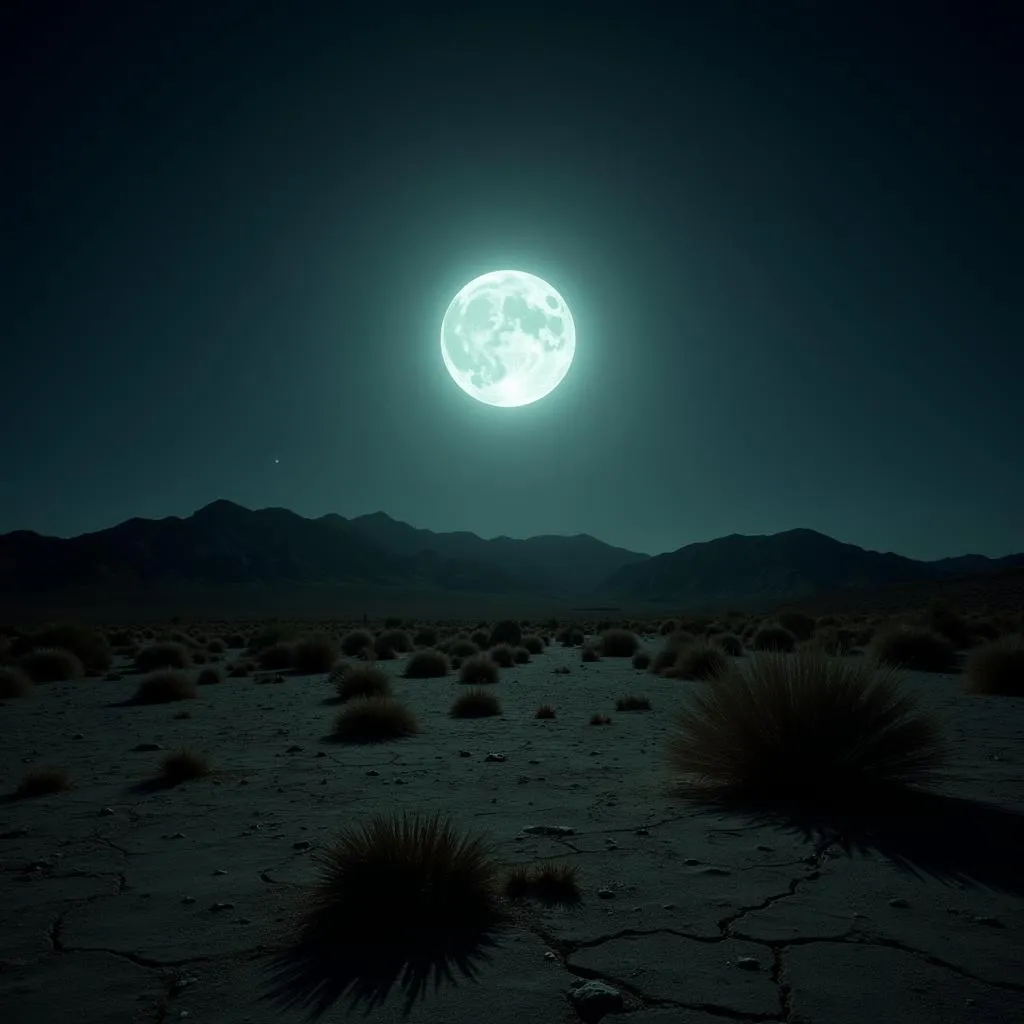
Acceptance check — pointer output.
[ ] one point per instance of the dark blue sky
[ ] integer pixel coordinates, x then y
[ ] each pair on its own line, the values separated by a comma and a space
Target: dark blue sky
790, 238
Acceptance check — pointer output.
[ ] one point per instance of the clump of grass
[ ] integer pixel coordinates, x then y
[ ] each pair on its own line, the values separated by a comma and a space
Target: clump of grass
838, 729
619, 643
545, 711
728, 643
632, 702
51, 665
314, 653
589, 654
425, 636
940, 618
91, 648
505, 632
503, 655
800, 624
997, 669
553, 885
393, 641
521, 655
427, 664
216, 646
210, 676
914, 648
426, 901
42, 782
375, 720
353, 644
479, 670
182, 765
163, 686
475, 704
571, 636
359, 679
699, 660
241, 669
277, 657
773, 636
464, 648
641, 660
533, 643
598, 719
165, 654
14, 682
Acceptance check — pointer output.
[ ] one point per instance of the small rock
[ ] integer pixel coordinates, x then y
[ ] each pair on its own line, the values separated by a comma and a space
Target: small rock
496, 757
992, 922
594, 1000
177, 835
691, 861
245, 920
899, 902
106, 812
399, 782
142, 748
749, 963
222, 906
373, 773
220, 871
549, 830
642, 832
716, 871
294, 749
302, 844
522, 780
533, 760
606, 894
668, 906
550, 956
320, 753
765, 849
188, 899
465, 753
78, 736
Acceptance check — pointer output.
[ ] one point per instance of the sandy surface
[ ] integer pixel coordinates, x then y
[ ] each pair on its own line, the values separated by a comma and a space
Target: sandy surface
108, 917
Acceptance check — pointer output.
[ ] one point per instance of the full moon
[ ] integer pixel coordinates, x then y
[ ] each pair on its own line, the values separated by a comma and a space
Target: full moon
508, 338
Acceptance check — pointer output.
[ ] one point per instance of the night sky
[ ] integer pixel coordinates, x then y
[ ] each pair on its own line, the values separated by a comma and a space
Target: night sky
790, 237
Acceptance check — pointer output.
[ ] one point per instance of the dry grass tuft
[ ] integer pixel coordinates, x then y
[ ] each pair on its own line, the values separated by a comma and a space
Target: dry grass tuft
163, 686
913, 647
998, 668
314, 653
359, 679
505, 632
166, 654
51, 665
632, 702
479, 670
353, 644
392, 641
521, 655
503, 655
598, 719
533, 643
589, 654
42, 782
619, 643
728, 643
183, 765
773, 636
14, 682
475, 704
210, 677
805, 727
375, 720
544, 711
641, 660
553, 885
427, 664
699, 660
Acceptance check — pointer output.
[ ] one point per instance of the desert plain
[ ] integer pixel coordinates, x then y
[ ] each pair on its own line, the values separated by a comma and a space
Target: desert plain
127, 900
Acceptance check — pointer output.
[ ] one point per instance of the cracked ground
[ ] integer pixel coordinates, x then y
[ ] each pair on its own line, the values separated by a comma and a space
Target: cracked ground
128, 906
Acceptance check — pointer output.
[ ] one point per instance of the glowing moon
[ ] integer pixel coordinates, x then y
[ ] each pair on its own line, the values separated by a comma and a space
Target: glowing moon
508, 338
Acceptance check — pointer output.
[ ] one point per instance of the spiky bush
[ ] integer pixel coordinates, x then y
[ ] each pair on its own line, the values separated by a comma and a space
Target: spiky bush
182, 765
375, 720
165, 654
619, 643
14, 682
545, 711
391, 642
475, 703
314, 653
503, 655
165, 685
520, 655
479, 637
728, 643
277, 657
800, 624
553, 885
773, 636
533, 643
914, 648
51, 665
209, 677
805, 727
479, 670
632, 702
426, 664
505, 632
464, 648
997, 669
91, 648
589, 653
598, 719
240, 669
353, 644
699, 660
571, 636
359, 679
940, 618
641, 660
425, 636
42, 782
398, 902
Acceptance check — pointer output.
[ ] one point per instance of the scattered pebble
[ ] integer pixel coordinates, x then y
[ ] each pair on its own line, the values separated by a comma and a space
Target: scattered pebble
188, 899
465, 753
992, 922
899, 902
220, 871
294, 749
106, 812
495, 757
549, 830
373, 773
302, 844
606, 894
222, 906
691, 861
749, 963
643, 832
142, 748
594, 1000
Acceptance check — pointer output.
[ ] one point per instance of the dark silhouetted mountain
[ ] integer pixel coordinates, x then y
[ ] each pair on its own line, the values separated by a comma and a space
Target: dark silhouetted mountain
776, 567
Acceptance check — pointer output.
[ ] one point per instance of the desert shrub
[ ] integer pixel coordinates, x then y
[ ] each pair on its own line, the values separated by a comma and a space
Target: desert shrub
163, 686
699, 660
521, 655
164, 654
505, 632
728, 643
773, 637
314, 653
619, 643
985, 629
425, 636
668, 626
424, 897
663, 660
355, 643
632, 703
234, 640
479, 637
997, 669
375, 720
464, 649
840, 729
598, 719
503, 655
199, 657
216, 646
182, 765
942, 619
269, 635
120, 637
241, 668
533, 643
391, 642
475, 704
91, 648
914, 648
276, 658
553, 885
571, 636
545, 711
641, 660
426, 664
799, 624
209, 676
42, 782
478, 670
14, 682
361, 680
589, 653
51, 665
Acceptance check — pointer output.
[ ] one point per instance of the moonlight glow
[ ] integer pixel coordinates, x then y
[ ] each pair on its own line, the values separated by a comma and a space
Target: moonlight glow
508, 338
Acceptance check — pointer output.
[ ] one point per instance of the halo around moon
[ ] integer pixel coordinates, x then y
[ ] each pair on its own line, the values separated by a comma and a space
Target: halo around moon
508, 338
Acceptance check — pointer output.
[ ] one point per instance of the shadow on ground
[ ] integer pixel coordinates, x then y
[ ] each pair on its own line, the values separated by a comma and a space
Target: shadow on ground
948, 838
